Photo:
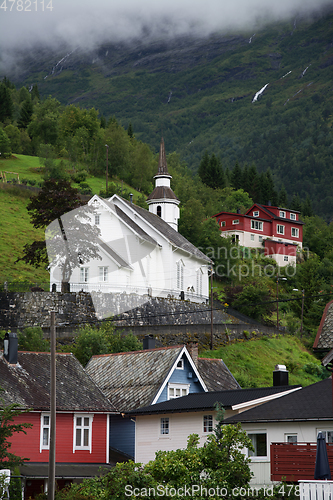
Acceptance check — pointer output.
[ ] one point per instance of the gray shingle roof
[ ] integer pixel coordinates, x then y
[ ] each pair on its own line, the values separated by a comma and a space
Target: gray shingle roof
175, 238
313, 402
132, 379
28, 384
161, 192
206, 400
216, 375
324, 337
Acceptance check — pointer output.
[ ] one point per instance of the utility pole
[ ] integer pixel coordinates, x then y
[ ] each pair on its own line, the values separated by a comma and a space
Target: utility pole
107, 168
211, 310
51, 480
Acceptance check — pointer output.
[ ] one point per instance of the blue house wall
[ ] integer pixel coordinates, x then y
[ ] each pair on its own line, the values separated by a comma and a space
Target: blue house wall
185, 376
122, 434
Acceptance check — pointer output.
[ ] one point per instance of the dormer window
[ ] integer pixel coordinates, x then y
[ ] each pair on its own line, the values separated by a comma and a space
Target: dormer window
293, 216
256, 213
283, 214
235, 221
223, 223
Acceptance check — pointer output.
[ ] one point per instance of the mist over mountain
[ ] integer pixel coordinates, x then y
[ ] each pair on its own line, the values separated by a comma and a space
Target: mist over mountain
261, 93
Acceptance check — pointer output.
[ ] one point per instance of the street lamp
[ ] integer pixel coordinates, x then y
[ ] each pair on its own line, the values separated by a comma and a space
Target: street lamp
107, 167
277, 299
297, 290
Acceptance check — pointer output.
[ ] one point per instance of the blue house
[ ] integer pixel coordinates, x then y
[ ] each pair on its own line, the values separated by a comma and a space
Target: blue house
132, 380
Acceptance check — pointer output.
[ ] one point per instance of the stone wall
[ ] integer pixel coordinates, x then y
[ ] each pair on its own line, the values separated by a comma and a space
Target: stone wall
175, 319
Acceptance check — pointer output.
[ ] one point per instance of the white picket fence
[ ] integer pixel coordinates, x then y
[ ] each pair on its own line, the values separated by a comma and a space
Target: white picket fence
315, 490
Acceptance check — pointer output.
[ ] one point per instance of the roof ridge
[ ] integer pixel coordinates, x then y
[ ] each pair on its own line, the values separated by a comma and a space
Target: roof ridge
136, 352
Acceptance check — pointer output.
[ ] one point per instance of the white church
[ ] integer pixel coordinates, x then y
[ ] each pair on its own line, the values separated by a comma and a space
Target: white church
141, 251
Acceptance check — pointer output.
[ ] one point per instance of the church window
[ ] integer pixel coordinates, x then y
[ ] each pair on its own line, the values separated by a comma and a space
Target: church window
159, 211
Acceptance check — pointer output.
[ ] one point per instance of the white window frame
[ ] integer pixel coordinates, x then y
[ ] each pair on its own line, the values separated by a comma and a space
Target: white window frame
252, 237
207, 424
235, 221
103, 273
252, 454
164, 426
172, 387
260, 239
180, 364
199, 281
97, 219
293, 216
180, 275
43, 426
282, 214
84, 274
223, 223
258, 225
256, 213
290, 435
76, 426
280, 229
325, 431
296, 231
285, 258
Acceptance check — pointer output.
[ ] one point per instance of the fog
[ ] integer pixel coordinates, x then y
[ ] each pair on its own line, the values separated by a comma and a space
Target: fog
27, 23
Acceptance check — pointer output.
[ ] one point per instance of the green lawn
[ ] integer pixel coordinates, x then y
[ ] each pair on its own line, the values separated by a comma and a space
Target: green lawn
252, 362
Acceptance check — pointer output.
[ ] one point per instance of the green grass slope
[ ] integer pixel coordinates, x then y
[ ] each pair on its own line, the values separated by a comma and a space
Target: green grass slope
252, 362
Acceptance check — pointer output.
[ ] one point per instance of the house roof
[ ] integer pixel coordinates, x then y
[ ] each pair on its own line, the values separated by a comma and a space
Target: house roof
175, 238
28, 384
206, 401
266, 209
313, 402
324, 337
216, 375
132, 379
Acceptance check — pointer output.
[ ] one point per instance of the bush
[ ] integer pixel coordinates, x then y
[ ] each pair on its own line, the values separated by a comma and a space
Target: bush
31, 339
84, 188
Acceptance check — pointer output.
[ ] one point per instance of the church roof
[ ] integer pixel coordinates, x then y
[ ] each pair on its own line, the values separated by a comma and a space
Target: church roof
162, 192
175, 238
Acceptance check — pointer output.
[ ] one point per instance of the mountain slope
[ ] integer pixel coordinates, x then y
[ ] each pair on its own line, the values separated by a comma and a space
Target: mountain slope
198, 93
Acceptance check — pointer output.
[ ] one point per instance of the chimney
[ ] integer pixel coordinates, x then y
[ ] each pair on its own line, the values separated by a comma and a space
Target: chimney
10, 347
192, 348
148, 342
238, 210
280, 376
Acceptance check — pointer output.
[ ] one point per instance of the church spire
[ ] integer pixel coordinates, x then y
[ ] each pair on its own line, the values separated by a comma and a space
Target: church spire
163, 201
162, 163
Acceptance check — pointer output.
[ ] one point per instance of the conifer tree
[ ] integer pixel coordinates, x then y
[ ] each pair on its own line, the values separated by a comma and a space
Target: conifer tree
236, 177
25, 114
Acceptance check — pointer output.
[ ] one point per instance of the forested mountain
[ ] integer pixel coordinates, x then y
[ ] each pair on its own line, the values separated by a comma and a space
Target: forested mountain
202, 94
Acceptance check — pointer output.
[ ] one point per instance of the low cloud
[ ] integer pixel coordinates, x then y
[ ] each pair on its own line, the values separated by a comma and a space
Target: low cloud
87, 24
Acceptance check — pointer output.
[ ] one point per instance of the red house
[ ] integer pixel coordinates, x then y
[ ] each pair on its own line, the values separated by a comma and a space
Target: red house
278, 230
82, 420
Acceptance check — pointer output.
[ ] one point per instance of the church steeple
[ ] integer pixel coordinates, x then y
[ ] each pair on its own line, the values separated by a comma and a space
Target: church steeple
163, 201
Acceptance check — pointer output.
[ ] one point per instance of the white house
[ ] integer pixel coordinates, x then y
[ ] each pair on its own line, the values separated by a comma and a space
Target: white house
167, 425
141, 251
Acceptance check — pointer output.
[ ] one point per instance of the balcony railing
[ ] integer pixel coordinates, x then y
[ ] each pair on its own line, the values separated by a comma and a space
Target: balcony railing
295, 461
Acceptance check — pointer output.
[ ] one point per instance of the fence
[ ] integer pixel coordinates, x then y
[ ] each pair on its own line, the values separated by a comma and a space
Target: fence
316, 490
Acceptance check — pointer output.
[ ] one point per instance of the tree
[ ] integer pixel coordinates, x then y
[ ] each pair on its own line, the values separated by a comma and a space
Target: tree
7, 429
5, 149
25, 113
71, 238
31, 339
94, 340
211, 171
6, 103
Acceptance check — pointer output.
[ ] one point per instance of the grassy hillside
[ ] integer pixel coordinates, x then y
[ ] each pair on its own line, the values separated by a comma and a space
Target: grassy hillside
252, 362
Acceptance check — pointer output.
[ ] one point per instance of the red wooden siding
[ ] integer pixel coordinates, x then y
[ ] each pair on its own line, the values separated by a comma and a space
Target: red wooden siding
295, 461
29, 445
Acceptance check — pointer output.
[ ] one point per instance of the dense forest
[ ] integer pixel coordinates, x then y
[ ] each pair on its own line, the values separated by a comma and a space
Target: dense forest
202, 95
